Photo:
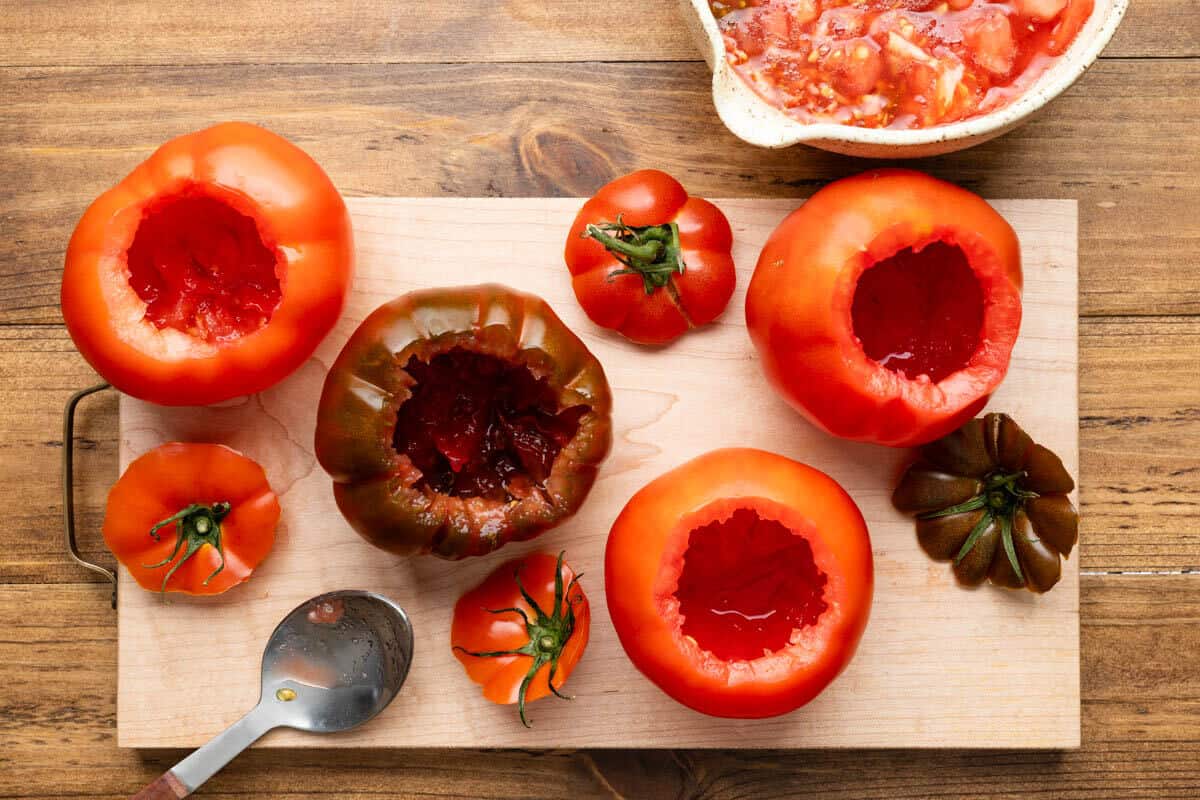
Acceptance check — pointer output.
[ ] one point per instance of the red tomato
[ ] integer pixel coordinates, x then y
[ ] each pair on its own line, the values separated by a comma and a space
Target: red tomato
886, 307
648, 261
520, 633
212, 271
740, 582
192, 518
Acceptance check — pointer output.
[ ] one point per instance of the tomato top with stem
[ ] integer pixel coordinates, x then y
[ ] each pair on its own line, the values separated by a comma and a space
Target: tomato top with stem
191, 517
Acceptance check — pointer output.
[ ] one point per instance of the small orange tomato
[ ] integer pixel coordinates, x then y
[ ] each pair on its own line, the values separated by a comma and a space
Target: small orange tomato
740, 582
520, 633
191, 518
211, 271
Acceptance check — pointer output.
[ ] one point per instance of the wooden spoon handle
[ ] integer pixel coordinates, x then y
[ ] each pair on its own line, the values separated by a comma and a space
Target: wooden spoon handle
164, 787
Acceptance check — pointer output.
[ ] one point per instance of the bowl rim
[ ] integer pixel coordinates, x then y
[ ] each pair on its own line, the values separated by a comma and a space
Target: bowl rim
788, 131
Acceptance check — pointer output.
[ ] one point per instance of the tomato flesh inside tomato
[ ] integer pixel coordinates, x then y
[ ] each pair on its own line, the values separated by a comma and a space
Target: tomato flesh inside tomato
747, 583
920, 312
202, 267
478, 426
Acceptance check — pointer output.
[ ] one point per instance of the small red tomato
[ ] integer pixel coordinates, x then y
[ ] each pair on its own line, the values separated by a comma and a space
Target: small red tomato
212, 271
648, 261
740, 582
886, 307
192, 518
520, 633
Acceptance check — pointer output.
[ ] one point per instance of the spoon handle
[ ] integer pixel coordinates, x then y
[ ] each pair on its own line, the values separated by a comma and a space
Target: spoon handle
164, 787
186, 776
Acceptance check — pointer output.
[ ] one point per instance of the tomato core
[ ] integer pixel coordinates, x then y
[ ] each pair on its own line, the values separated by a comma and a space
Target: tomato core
202, 267
747, 583
479, 426
920, 312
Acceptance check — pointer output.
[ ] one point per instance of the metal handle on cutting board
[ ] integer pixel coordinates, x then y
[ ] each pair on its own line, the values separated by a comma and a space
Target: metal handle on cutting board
68, 484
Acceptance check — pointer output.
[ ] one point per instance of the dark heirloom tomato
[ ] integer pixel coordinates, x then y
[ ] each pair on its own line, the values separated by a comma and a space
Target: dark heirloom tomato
886, 307
648, 261
456, 420
212, 271
740, 582
994, 502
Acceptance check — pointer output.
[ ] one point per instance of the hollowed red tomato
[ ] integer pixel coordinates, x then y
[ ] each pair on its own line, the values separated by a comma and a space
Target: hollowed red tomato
740, 583
886, 307
212, 271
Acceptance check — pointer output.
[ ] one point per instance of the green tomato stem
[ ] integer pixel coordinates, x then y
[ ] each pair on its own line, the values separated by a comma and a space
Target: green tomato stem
653, 252
195, 526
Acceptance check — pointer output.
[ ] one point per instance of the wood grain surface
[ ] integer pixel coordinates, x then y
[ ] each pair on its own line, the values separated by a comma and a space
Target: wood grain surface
929, 645
87, 89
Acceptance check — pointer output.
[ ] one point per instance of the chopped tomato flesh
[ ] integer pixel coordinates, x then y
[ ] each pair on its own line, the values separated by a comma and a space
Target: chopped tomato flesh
895, 63
202, 267
747, 583
919, 313
478, 426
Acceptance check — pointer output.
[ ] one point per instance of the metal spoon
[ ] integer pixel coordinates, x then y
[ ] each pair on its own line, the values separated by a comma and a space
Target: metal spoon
334, 662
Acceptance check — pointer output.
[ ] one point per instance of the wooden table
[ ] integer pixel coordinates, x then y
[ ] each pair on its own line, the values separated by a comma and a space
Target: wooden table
526, 97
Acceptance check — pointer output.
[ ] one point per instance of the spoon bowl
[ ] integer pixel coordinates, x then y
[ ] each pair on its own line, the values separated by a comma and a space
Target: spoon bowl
336, 661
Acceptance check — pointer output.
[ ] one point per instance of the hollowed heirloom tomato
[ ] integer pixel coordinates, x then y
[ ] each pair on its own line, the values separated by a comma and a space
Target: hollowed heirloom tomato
740, 582
994, 502
886, 307
648, 261
458, 419
212, 271
520, 633
192, 518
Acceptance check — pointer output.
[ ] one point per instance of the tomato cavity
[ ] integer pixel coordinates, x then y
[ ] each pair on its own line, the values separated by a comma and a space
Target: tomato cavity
747, 583
201, 267
920, 312
479, 426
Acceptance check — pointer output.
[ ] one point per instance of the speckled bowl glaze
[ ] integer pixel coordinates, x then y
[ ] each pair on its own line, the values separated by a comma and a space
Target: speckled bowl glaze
756, 121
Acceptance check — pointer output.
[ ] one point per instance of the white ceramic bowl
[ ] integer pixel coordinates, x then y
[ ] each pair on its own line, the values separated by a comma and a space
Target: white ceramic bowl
758, 122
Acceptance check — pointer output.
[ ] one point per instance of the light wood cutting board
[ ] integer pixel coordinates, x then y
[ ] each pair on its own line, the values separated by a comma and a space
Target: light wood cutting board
939, 666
